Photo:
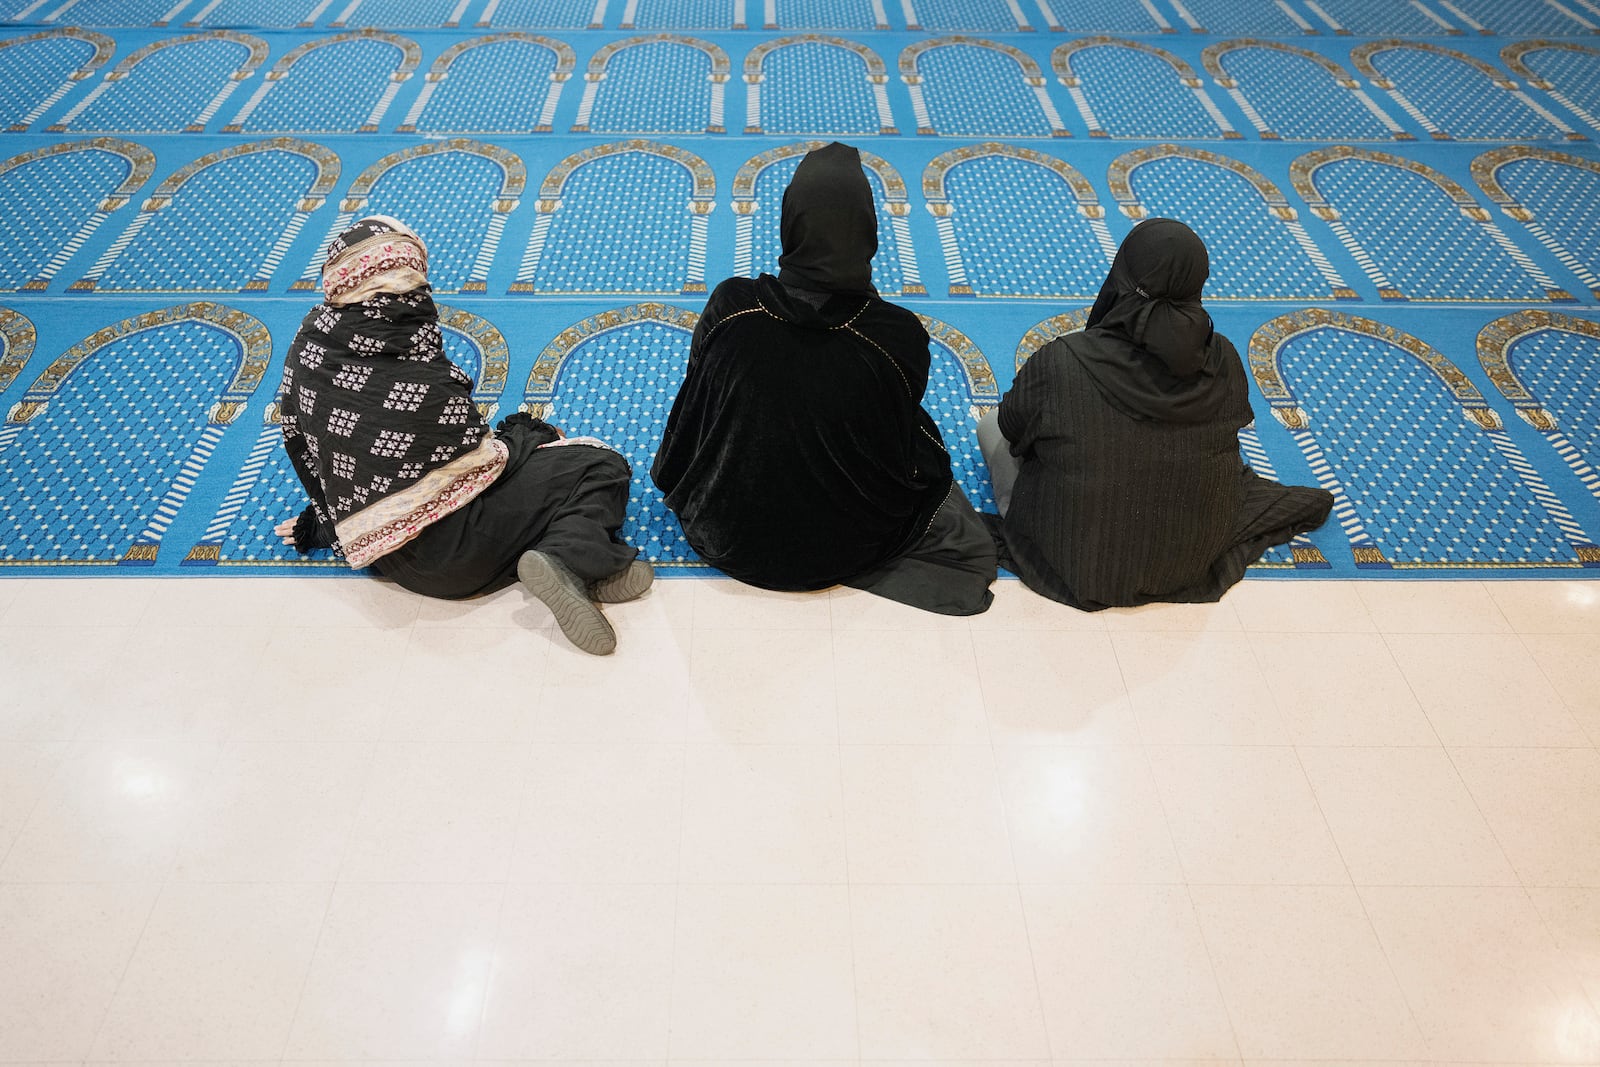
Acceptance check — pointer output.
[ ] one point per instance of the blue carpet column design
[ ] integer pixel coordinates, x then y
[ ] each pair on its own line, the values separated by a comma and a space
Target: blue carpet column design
1133, 89
61, 194
176, 84
1429, 478
940, 75
1417, 233
1025, 209
1427, 167
814, 83
1288, 93
331, 85
502, 83
1569, 72
613, 218
1548, 366
1455, 96
42, 68
1259, 248
107, 438
623, 87
268, 189
1550, 193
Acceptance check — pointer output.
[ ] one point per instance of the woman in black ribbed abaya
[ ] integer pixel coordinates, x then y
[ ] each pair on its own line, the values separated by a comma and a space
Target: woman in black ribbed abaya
1115, 454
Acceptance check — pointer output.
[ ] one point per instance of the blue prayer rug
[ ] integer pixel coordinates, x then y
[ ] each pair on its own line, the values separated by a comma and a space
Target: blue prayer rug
1402, 203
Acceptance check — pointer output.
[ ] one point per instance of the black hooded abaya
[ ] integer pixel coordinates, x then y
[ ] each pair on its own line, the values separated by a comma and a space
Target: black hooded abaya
1131, 487
797, 454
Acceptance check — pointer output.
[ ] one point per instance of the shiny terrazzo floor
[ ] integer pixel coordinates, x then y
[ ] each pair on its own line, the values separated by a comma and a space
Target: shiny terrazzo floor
1318, 821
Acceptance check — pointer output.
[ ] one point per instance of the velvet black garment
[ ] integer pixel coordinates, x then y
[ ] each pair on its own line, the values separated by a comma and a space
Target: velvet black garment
568, 501
1132, 488
797, 454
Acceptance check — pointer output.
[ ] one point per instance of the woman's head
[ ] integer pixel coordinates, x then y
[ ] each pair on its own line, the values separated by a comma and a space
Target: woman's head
1152, 295
829, 227
377, 254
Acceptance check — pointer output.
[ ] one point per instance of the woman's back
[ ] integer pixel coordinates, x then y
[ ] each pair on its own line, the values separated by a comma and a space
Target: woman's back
1113, 509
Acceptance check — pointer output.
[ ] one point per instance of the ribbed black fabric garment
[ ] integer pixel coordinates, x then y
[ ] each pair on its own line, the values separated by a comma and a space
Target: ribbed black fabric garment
1114, 510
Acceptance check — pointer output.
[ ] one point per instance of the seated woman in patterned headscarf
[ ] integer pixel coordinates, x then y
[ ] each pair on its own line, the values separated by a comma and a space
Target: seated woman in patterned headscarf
797, 454
405, 476
1115, 454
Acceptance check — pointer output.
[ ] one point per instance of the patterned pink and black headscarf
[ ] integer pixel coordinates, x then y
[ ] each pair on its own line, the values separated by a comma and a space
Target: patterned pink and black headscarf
377, 254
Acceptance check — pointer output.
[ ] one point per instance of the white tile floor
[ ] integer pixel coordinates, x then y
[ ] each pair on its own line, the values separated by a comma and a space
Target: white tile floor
325, 821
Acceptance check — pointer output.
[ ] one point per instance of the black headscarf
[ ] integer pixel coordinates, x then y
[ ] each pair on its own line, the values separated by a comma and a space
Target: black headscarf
1149, 344
829, 227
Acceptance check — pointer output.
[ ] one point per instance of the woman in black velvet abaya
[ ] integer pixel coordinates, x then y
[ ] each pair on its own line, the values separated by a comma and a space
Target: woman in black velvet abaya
1115, 454
797, 454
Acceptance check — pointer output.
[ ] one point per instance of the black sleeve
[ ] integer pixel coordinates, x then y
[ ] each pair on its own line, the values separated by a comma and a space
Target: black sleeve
314, 528
520, 422
1022, 409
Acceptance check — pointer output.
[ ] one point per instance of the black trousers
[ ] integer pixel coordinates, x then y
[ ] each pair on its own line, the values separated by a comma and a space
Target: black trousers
567, 501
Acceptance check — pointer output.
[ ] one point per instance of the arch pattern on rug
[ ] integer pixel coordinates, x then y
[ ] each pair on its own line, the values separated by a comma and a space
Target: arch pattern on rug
339, 84
1556, 198
1455, 96
274, 14
1242, 16
684, 15
969, 86
119, 388
38, 70
462, 229
965, 16
657, 83
961, 390
1524, 19
1548, 366
1567, 71
668, 192
838, 94
266, 490
1415, 232
417, 14
176, 84
130, 14
1117, 85
614, 376
1259, 248
158, 252
1381, 18
757, 205
51, 203
1107, 16
544, 14
1313, 98
17, 338
1476, 502
824, 15
1023, 207
522, 74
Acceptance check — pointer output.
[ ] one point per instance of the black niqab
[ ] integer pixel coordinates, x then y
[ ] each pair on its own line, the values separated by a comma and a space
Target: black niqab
829, 227
1149, 344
